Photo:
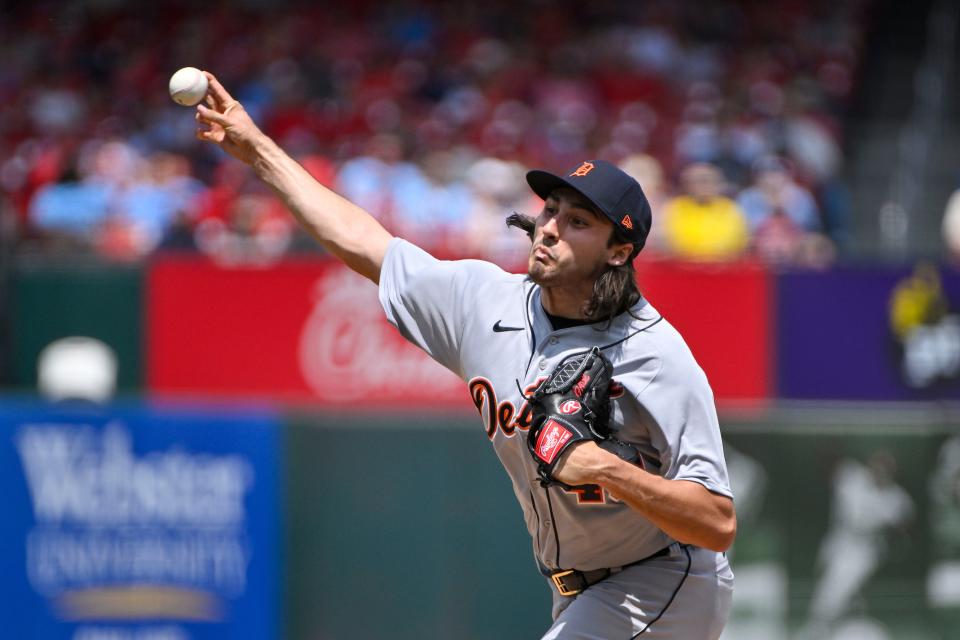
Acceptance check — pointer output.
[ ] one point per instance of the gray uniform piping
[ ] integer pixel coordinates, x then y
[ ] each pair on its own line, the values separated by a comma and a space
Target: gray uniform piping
536, 512
641, 330
533, 335
554, 526
686, 572
553, 520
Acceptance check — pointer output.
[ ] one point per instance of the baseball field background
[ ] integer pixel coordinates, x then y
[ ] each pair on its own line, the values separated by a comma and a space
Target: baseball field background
276, 462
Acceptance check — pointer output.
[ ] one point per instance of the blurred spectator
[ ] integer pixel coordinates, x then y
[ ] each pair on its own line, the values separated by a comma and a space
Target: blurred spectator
70, 209
951, 226
431, 203
57, 110
815, 150
703, 224
122, 207
255, 231
227, 182
370, 180
499, 188
784, 219
646, 170
368, 89
778, 239
149, 205
774, 192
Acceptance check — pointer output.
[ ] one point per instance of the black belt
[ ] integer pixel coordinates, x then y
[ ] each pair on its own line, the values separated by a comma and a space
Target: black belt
571, 582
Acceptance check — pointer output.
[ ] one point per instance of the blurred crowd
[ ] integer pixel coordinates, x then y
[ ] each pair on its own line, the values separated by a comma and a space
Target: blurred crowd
427, 114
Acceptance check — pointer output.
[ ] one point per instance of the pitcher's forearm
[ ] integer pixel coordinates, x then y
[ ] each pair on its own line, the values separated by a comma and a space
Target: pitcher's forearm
685, 510
343, 228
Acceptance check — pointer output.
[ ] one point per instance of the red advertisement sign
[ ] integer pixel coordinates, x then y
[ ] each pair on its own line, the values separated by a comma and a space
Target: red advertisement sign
308, 331
313, 331
724, 313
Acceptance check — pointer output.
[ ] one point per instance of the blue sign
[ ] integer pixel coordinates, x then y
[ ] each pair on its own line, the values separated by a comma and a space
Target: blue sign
139, 523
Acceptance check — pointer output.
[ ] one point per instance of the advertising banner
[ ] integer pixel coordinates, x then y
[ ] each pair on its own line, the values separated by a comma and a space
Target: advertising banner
313, 331
139, 523
724, 314
869, 334
309, 331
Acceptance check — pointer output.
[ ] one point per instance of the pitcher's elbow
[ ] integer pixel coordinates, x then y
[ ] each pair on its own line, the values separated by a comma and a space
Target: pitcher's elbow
728, 533
723, 535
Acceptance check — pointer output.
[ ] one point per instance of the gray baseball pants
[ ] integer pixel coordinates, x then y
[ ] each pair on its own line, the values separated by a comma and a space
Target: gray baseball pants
685, 595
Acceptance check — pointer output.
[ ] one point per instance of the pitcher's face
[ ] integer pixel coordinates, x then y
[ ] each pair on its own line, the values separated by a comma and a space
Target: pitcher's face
571, 243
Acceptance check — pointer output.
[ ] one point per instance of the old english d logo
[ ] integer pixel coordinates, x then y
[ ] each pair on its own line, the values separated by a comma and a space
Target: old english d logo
627, 222
583, 170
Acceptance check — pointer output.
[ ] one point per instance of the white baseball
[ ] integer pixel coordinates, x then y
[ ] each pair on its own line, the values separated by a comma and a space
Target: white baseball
188, 86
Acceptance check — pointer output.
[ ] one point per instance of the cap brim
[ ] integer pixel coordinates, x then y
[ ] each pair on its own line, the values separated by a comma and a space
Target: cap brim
544, 182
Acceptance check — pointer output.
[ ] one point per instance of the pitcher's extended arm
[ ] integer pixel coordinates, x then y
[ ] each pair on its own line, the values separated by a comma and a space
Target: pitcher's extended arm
343, 228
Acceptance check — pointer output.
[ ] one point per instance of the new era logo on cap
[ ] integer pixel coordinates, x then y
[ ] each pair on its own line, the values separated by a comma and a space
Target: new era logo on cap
614, 193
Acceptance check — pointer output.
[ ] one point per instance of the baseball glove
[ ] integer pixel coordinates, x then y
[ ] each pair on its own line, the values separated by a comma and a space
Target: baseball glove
570, 406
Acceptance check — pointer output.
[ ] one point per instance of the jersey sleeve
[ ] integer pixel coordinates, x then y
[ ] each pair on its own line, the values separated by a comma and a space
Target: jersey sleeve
684, 426
424, 298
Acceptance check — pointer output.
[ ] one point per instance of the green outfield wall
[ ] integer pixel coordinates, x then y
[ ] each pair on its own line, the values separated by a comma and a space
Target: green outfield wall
409, 529
405, 529
51, 301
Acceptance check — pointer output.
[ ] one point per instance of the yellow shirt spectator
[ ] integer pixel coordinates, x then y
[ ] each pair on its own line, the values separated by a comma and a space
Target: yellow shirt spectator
709, 229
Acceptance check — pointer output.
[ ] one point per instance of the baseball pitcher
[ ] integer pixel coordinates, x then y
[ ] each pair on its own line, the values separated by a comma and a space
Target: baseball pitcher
594, 404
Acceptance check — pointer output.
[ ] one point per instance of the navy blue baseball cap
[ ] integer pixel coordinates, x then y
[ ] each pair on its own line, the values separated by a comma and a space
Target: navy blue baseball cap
614, 193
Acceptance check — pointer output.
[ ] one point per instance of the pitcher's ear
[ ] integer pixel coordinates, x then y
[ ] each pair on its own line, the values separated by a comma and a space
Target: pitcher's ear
619, 254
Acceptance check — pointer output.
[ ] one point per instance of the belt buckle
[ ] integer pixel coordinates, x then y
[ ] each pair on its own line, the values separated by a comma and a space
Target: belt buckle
561, 586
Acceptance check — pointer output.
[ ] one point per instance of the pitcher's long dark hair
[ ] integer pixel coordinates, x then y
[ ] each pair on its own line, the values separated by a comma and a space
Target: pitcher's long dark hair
614, 292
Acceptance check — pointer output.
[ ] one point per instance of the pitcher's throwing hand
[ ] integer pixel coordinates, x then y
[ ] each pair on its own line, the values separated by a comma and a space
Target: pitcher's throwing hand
225, 122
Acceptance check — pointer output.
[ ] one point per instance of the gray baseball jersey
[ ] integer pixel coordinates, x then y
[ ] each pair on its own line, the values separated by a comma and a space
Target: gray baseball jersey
489, 327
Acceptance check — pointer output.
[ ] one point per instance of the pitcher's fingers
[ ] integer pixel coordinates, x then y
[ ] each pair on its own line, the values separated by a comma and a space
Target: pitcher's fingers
208, 135
219, 94
208, 115
203, 125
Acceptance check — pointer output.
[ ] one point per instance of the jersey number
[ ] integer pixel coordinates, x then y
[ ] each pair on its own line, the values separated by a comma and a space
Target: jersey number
588, 494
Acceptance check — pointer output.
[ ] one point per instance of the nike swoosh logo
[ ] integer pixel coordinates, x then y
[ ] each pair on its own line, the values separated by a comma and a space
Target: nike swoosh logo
500, 329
